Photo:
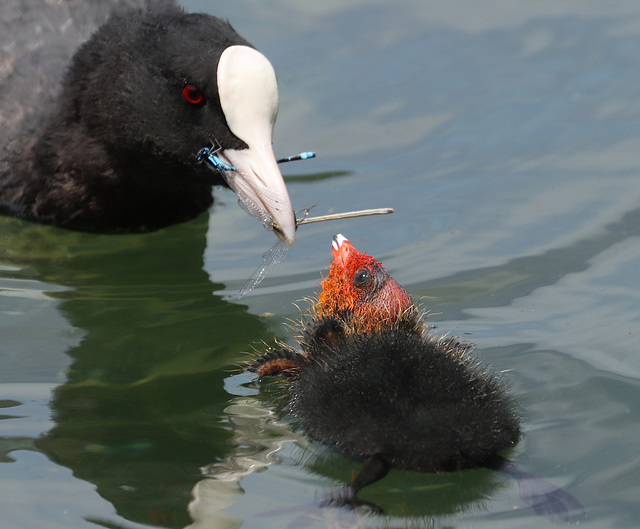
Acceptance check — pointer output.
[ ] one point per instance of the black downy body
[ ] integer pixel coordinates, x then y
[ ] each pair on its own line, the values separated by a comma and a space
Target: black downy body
398, 397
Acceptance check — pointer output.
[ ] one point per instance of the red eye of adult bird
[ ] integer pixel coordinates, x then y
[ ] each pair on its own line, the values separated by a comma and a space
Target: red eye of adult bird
360, 291
192, 94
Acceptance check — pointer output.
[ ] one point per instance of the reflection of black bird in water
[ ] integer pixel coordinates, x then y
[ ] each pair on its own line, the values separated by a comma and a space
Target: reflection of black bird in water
137, 413
370, 382
115, 150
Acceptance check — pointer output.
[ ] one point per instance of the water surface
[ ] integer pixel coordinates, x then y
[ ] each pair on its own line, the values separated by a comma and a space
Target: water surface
507, 137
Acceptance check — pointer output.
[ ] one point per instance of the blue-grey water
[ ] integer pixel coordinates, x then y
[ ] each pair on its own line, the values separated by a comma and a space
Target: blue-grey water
507, 137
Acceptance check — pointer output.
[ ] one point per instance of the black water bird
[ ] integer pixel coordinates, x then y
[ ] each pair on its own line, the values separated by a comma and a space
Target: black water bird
114, 149
370, 381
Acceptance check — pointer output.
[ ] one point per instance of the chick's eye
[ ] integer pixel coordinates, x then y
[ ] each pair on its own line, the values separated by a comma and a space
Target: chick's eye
193, 95
362, 277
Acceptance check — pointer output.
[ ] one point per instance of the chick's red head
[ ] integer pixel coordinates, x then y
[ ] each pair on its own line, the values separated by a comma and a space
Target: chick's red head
360, 291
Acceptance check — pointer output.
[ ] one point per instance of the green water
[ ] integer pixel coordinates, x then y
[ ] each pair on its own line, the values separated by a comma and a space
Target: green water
507, 137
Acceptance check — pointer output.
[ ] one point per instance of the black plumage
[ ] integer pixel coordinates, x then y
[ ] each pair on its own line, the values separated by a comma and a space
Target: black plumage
369, 379
115, 150
418, 402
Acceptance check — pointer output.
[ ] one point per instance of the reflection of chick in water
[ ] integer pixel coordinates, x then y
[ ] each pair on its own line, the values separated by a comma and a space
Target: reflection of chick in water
257, 436
369, 381
260, 439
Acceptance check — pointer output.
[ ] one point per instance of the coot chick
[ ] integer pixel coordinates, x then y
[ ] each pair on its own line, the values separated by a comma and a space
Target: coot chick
371, 382
116, 152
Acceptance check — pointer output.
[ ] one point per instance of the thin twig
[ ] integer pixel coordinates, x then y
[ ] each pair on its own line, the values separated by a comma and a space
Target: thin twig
347, 215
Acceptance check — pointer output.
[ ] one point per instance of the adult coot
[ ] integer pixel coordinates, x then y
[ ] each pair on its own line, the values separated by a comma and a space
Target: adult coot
115, 149
370, 381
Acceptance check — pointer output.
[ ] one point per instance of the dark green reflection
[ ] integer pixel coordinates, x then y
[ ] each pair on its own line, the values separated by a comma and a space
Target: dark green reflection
139, 413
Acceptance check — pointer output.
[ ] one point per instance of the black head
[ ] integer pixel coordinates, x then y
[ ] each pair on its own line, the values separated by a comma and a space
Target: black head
125, 84
155, 88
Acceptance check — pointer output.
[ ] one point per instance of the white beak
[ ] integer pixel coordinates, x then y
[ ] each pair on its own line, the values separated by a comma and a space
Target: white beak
248, 94
259, 184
